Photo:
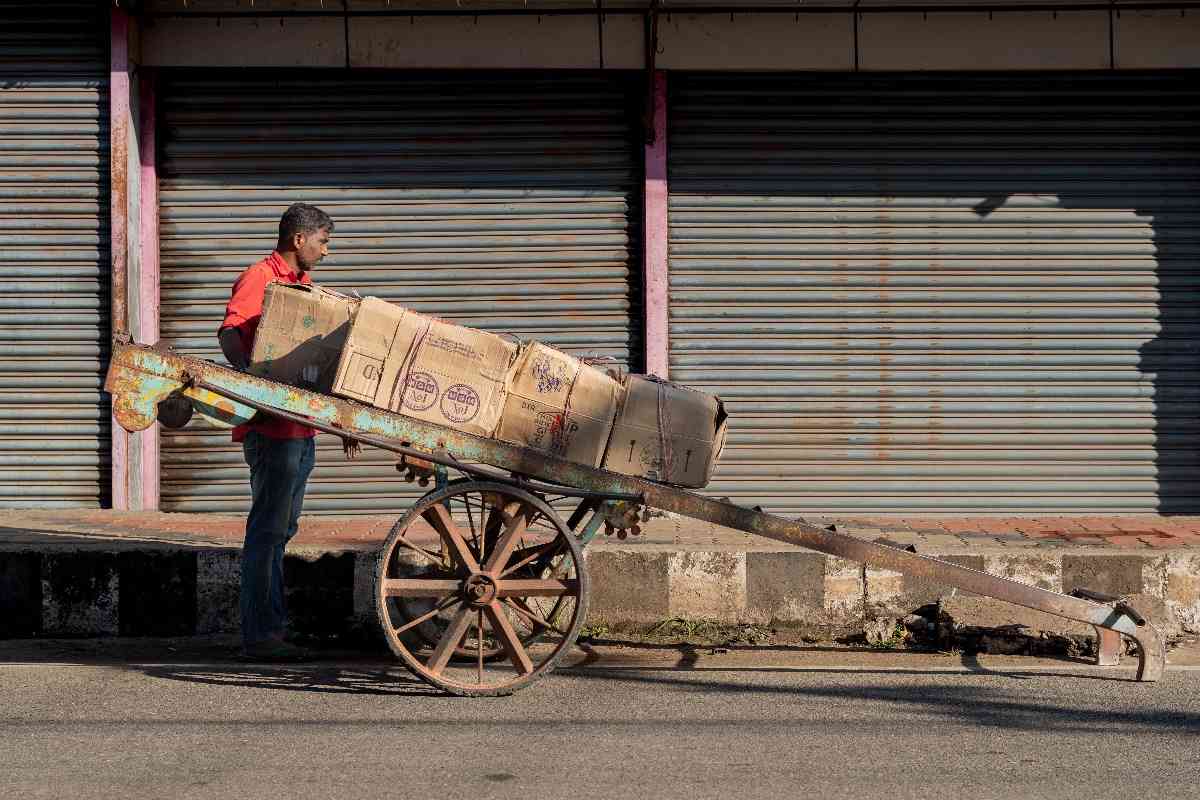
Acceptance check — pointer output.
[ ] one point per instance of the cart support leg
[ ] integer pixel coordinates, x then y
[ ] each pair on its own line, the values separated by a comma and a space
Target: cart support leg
1108, 647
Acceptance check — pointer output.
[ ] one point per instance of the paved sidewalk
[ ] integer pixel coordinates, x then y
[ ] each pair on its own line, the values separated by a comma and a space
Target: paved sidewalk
92, 572
932, 533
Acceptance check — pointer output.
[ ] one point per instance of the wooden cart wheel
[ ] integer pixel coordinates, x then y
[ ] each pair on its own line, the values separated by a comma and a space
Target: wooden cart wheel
431, 630
475, 569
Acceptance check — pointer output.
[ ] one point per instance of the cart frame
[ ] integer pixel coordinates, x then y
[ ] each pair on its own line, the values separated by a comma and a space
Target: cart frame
140, 376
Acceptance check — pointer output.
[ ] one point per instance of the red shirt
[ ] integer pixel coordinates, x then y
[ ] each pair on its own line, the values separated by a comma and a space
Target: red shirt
243, 314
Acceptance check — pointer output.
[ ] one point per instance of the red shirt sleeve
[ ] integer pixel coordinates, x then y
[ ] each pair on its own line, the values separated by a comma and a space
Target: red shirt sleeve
245, 304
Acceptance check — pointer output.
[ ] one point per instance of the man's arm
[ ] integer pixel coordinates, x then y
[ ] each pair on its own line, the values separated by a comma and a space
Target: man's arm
245, 305
231, 346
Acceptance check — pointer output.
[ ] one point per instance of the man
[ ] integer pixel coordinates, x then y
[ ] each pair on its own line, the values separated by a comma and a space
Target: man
280, 453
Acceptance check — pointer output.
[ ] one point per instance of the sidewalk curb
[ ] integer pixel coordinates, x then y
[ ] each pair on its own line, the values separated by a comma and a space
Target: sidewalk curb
167, 590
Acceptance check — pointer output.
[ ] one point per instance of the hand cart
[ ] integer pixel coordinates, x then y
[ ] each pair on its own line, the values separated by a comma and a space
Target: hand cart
481, 587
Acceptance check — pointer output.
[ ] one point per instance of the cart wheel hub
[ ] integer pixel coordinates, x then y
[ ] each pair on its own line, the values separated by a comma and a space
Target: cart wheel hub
480, 590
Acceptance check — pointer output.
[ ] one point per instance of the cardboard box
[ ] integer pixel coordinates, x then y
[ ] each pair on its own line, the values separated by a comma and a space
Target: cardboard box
301, 326
397, 359
667, 433
559, 406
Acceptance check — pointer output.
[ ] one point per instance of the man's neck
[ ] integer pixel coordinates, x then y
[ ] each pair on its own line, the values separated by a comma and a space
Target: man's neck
289, 258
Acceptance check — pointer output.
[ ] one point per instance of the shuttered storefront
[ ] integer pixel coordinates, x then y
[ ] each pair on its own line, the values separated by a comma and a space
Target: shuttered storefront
54, 429
942, 293
499, 201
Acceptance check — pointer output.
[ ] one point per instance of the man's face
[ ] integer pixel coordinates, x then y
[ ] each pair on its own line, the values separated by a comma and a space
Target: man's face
311, 248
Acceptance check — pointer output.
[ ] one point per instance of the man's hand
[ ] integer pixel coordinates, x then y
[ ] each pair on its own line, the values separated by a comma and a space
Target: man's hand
231, 346
351, 448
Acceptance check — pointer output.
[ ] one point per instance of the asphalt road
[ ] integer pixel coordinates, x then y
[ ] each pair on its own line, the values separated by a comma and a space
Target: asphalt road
760, 725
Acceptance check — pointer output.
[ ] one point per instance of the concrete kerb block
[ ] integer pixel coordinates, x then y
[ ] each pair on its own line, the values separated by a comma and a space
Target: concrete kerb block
20, 595
845, 589
883, 590
218, 582
628, 587
707, 585
1032, 569
80, 594
785, 587
1118, 575
1181, 589
320, 590
157, 593
364, 584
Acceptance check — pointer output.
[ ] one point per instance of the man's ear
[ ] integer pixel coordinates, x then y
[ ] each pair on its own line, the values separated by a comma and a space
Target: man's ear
298, 240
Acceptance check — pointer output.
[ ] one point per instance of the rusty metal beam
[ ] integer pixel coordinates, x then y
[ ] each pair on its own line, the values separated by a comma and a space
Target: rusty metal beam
119, 122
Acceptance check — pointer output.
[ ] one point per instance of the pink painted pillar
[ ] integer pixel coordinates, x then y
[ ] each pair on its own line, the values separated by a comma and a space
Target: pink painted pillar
148, 289
119, 121
655, 268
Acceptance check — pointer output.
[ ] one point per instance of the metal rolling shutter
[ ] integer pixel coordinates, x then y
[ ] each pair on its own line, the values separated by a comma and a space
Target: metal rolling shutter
54, 419
499, 201
920, 293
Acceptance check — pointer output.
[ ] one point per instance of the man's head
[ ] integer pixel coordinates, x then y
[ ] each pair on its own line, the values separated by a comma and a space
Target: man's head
304, 232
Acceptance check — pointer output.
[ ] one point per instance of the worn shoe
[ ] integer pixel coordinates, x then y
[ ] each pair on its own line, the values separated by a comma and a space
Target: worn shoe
274, 651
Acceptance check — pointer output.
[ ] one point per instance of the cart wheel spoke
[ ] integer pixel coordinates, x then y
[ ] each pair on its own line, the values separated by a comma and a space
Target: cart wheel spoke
530, 554
513, 531
450, 639
508, 637
437, 516
517, 587
428, 615
420, 587
531, 616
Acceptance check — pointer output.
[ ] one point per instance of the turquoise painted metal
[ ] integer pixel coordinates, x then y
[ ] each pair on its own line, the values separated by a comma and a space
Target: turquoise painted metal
139, 377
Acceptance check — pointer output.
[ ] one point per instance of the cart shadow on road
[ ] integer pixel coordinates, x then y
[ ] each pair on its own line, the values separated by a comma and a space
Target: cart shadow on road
1030, 700
314, 678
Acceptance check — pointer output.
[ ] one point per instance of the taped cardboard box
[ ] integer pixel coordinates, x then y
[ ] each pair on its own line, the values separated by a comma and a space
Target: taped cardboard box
399, 360
667, 433
559, 406
301, 326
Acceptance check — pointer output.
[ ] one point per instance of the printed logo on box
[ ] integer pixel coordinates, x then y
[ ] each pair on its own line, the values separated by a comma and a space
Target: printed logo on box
460, 403
420, 391
551, 375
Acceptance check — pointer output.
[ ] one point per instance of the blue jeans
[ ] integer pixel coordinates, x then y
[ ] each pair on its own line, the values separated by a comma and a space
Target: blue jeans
279, 470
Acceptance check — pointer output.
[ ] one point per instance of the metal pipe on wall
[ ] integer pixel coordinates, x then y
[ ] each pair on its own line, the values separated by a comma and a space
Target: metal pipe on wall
119, 121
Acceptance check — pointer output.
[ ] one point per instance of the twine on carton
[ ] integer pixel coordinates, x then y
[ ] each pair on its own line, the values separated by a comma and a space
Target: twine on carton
664, 424
410, 358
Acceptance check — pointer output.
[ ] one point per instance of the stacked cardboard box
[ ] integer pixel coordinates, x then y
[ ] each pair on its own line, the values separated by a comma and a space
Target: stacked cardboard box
477, 382
301, 326
397, 359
